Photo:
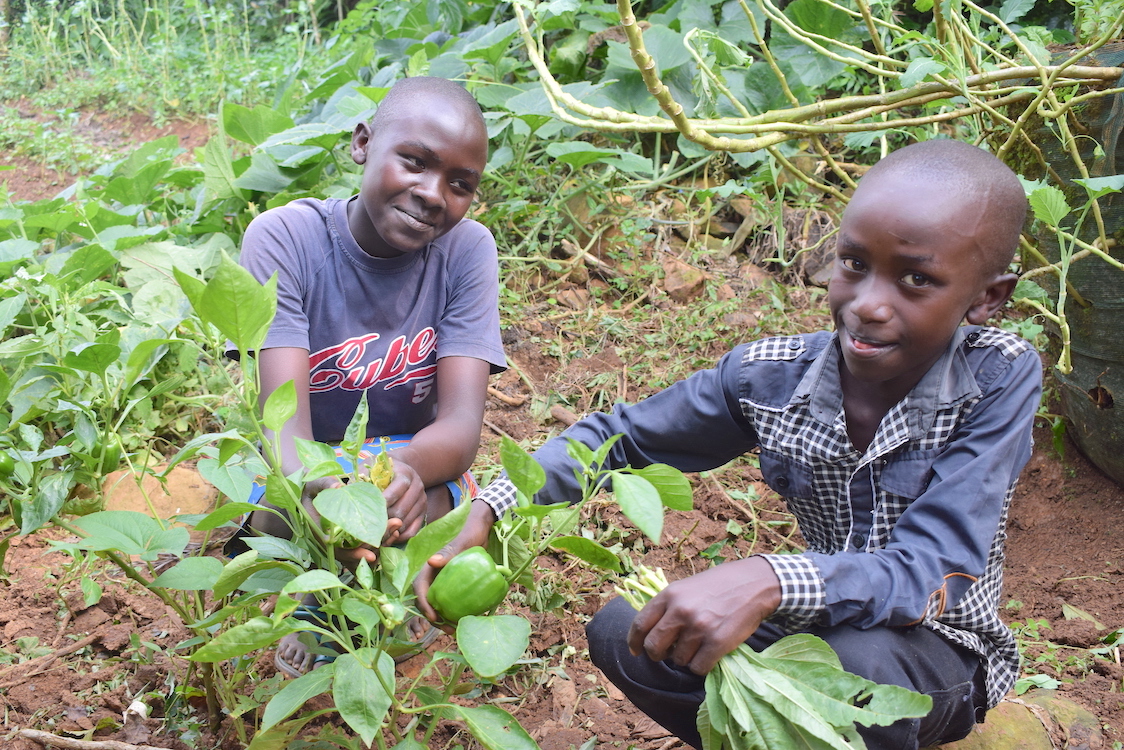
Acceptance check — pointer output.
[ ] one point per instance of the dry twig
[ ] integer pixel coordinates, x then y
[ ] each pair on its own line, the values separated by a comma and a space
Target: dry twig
53, 740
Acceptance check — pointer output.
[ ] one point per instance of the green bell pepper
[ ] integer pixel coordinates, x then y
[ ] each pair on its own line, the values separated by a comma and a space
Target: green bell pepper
469, 584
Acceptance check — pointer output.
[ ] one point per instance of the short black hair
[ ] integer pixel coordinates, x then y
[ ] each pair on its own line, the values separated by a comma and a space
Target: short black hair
410, 89
975, 174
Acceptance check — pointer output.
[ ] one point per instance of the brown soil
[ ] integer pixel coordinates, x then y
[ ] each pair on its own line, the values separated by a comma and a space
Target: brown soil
1064, 565
31, 179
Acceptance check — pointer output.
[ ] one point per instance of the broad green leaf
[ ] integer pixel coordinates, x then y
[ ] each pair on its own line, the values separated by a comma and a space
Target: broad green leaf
320, 134
279, 549
1027, 289
16, 249
312, 453
143, 358
523, 470
1098, 186
50, 496
296, 693
673, 486
363, 615
1049, 205
578, 154
225, 514
264, 175
271, 580
818, 17
86, 264
539, 511
93, 358
9, 308
1012, 10
359, 507
600, 455
190, 574
408, 743
233, 481
432, 537
918, 70
496, 729
240, 307
280, 406
218, 170
236, 571
359, 693
640, 502
258, 632
131, 533
313, 580
493, 644
588, 551
255, 125
800, 647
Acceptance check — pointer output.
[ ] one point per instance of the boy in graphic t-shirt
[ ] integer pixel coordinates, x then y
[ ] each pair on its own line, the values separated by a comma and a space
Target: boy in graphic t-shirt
392, 292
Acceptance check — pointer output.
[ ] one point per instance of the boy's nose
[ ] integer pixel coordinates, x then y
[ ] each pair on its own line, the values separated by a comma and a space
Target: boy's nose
428, 189
871, 303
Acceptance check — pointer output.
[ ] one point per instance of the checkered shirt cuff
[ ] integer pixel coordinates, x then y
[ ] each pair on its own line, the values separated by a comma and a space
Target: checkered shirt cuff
500, 495
802, 589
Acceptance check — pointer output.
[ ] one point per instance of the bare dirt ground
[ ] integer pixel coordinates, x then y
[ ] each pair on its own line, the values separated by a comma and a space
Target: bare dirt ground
73, 670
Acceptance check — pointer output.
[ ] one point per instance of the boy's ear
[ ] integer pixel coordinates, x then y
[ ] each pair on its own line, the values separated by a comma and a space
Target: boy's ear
359, 140
991, 298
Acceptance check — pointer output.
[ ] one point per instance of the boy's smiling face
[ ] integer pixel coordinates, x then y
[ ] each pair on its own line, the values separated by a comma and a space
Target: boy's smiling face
912, 262
420, 173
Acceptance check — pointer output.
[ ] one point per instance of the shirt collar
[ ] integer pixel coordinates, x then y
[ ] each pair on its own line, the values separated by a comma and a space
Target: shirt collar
949, 381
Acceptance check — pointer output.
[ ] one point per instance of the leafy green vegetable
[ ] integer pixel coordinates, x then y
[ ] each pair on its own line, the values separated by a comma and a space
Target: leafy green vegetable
793, 695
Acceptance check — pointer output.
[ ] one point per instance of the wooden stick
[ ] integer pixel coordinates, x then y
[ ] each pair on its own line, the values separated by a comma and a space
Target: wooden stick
509, 400
53, 740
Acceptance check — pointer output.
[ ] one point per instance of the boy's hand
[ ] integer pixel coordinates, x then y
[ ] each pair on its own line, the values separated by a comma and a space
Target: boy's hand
474, 534
406, 503
698, 620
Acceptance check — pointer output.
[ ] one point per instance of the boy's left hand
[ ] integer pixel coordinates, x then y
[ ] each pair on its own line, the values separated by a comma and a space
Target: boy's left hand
698, 620
405, 501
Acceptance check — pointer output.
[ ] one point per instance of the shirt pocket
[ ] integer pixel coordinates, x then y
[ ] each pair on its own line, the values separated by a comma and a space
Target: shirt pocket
786, 476
908, 474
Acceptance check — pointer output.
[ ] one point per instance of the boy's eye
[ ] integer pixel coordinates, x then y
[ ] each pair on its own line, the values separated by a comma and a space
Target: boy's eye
915, 279
464, 185
414, 161
852, 264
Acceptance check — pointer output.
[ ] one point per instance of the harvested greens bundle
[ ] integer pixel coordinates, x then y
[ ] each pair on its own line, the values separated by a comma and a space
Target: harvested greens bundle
794, 694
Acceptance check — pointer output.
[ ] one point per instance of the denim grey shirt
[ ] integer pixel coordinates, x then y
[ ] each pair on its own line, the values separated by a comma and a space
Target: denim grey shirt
908, 532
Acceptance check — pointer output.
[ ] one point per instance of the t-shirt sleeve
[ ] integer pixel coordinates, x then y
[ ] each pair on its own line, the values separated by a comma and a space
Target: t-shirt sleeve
470, 323
272, 244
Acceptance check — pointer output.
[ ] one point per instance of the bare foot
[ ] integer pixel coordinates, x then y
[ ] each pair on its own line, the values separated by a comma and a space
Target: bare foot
294, 654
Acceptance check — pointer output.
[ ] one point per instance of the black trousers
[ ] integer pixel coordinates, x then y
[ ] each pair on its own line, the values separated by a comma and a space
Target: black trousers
915, 658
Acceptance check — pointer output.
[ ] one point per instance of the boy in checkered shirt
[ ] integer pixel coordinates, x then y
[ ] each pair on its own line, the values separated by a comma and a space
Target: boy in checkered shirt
896, 441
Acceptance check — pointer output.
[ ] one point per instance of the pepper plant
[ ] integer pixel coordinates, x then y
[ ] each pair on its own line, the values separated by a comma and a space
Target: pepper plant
362, 614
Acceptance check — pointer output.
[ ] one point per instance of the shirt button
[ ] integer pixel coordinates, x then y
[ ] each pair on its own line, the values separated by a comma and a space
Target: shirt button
973, 337
857, 541
782, 482
794, 344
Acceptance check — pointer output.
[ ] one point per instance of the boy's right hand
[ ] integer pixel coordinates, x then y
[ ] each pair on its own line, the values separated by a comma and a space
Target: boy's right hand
473, 534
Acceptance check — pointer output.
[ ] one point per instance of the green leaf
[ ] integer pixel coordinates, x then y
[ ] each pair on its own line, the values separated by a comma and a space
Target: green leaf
264, 175
312, 453
280, 406
1098, 186
523, 470
359, 694
255, 125
93, 358
1012, 10
1049, 205
235, 572
236, 304
233, 481
143, 358
225, 514
258, 632
359, 507
355, 435
190, 574
919, 69
640, 502
86, 264
131, 533
673, 486
493, 644
313, 580
279, 549
408, 743
50, 496
588, 551
218, 170
496, 729
434, 536
578, 154
296, 693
